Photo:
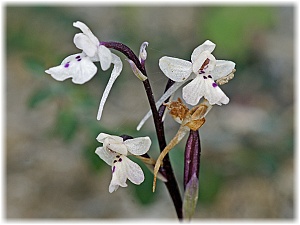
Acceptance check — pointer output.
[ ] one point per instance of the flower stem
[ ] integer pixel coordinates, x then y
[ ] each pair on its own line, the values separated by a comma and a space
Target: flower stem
166, 170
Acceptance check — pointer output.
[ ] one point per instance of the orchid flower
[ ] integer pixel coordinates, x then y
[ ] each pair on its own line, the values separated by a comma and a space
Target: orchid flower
80, 66
203, 70
114, 152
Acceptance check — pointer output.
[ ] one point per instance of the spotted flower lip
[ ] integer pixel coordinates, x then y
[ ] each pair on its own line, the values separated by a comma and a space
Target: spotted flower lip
80, 67
114, 152
204, 69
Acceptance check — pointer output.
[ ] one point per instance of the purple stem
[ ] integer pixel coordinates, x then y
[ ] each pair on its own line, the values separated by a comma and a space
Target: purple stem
166, 170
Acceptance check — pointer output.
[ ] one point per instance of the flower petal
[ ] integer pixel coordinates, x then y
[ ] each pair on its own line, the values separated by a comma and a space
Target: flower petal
214, 94
105, 57
194, 91
119, 173
115, 146
176, 69
133, 171
138, 146
84, 28
78, 67
206, 46
84, 43
105, 155
222, 68
198, 64
102, 136
118, 65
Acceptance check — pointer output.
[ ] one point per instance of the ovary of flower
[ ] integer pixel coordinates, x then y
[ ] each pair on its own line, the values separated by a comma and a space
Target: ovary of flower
114, 152
80, 67
191, 119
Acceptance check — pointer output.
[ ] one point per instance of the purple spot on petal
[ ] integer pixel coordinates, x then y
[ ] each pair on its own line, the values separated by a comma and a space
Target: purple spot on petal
214, 85
79, 60
120, 159
113, 169
204, 77
209, 76
77, 57
67, 65
114, 161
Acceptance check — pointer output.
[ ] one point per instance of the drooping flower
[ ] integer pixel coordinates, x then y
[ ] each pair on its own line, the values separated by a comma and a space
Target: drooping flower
203, 70
115, 151
80, 67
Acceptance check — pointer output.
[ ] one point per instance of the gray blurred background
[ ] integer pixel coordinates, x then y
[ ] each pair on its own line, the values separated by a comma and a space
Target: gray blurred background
247, 161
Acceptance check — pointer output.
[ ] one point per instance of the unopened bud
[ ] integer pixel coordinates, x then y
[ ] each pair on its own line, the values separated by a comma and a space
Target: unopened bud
143, 52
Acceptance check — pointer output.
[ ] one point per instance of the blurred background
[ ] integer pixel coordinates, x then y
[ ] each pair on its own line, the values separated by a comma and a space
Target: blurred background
247, 161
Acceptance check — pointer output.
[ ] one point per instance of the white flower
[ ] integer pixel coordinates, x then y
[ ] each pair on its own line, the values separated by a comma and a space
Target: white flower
114, 152
204, 69
80, 67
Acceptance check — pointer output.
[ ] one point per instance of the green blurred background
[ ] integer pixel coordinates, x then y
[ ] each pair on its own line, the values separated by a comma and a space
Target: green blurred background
247, 162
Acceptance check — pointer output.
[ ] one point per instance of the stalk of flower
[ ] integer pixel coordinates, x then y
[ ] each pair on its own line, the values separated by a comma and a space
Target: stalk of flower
191, 119
80, 67
115, 151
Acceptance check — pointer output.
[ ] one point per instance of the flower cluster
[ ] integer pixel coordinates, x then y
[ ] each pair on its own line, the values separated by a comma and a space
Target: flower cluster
201, 77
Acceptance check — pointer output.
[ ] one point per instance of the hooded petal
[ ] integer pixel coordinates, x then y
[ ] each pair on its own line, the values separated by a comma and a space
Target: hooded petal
206, 46
138, 146
204, 63
105, 155
84, 43
85, 30
222, 68
78, 67
115, 146
176, 69
118, 65
102, 136
105, 57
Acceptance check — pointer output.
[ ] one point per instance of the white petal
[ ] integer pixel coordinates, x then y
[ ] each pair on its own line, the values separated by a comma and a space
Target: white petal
78, 67
119, 175
194, 91
214, 94
118, 65
222, 68
84, 28
105, 57
105, 155
201, 59
206, 46
84, 43
102, 136
165, 96
113, 145
176, 69
133, 171
138, 146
